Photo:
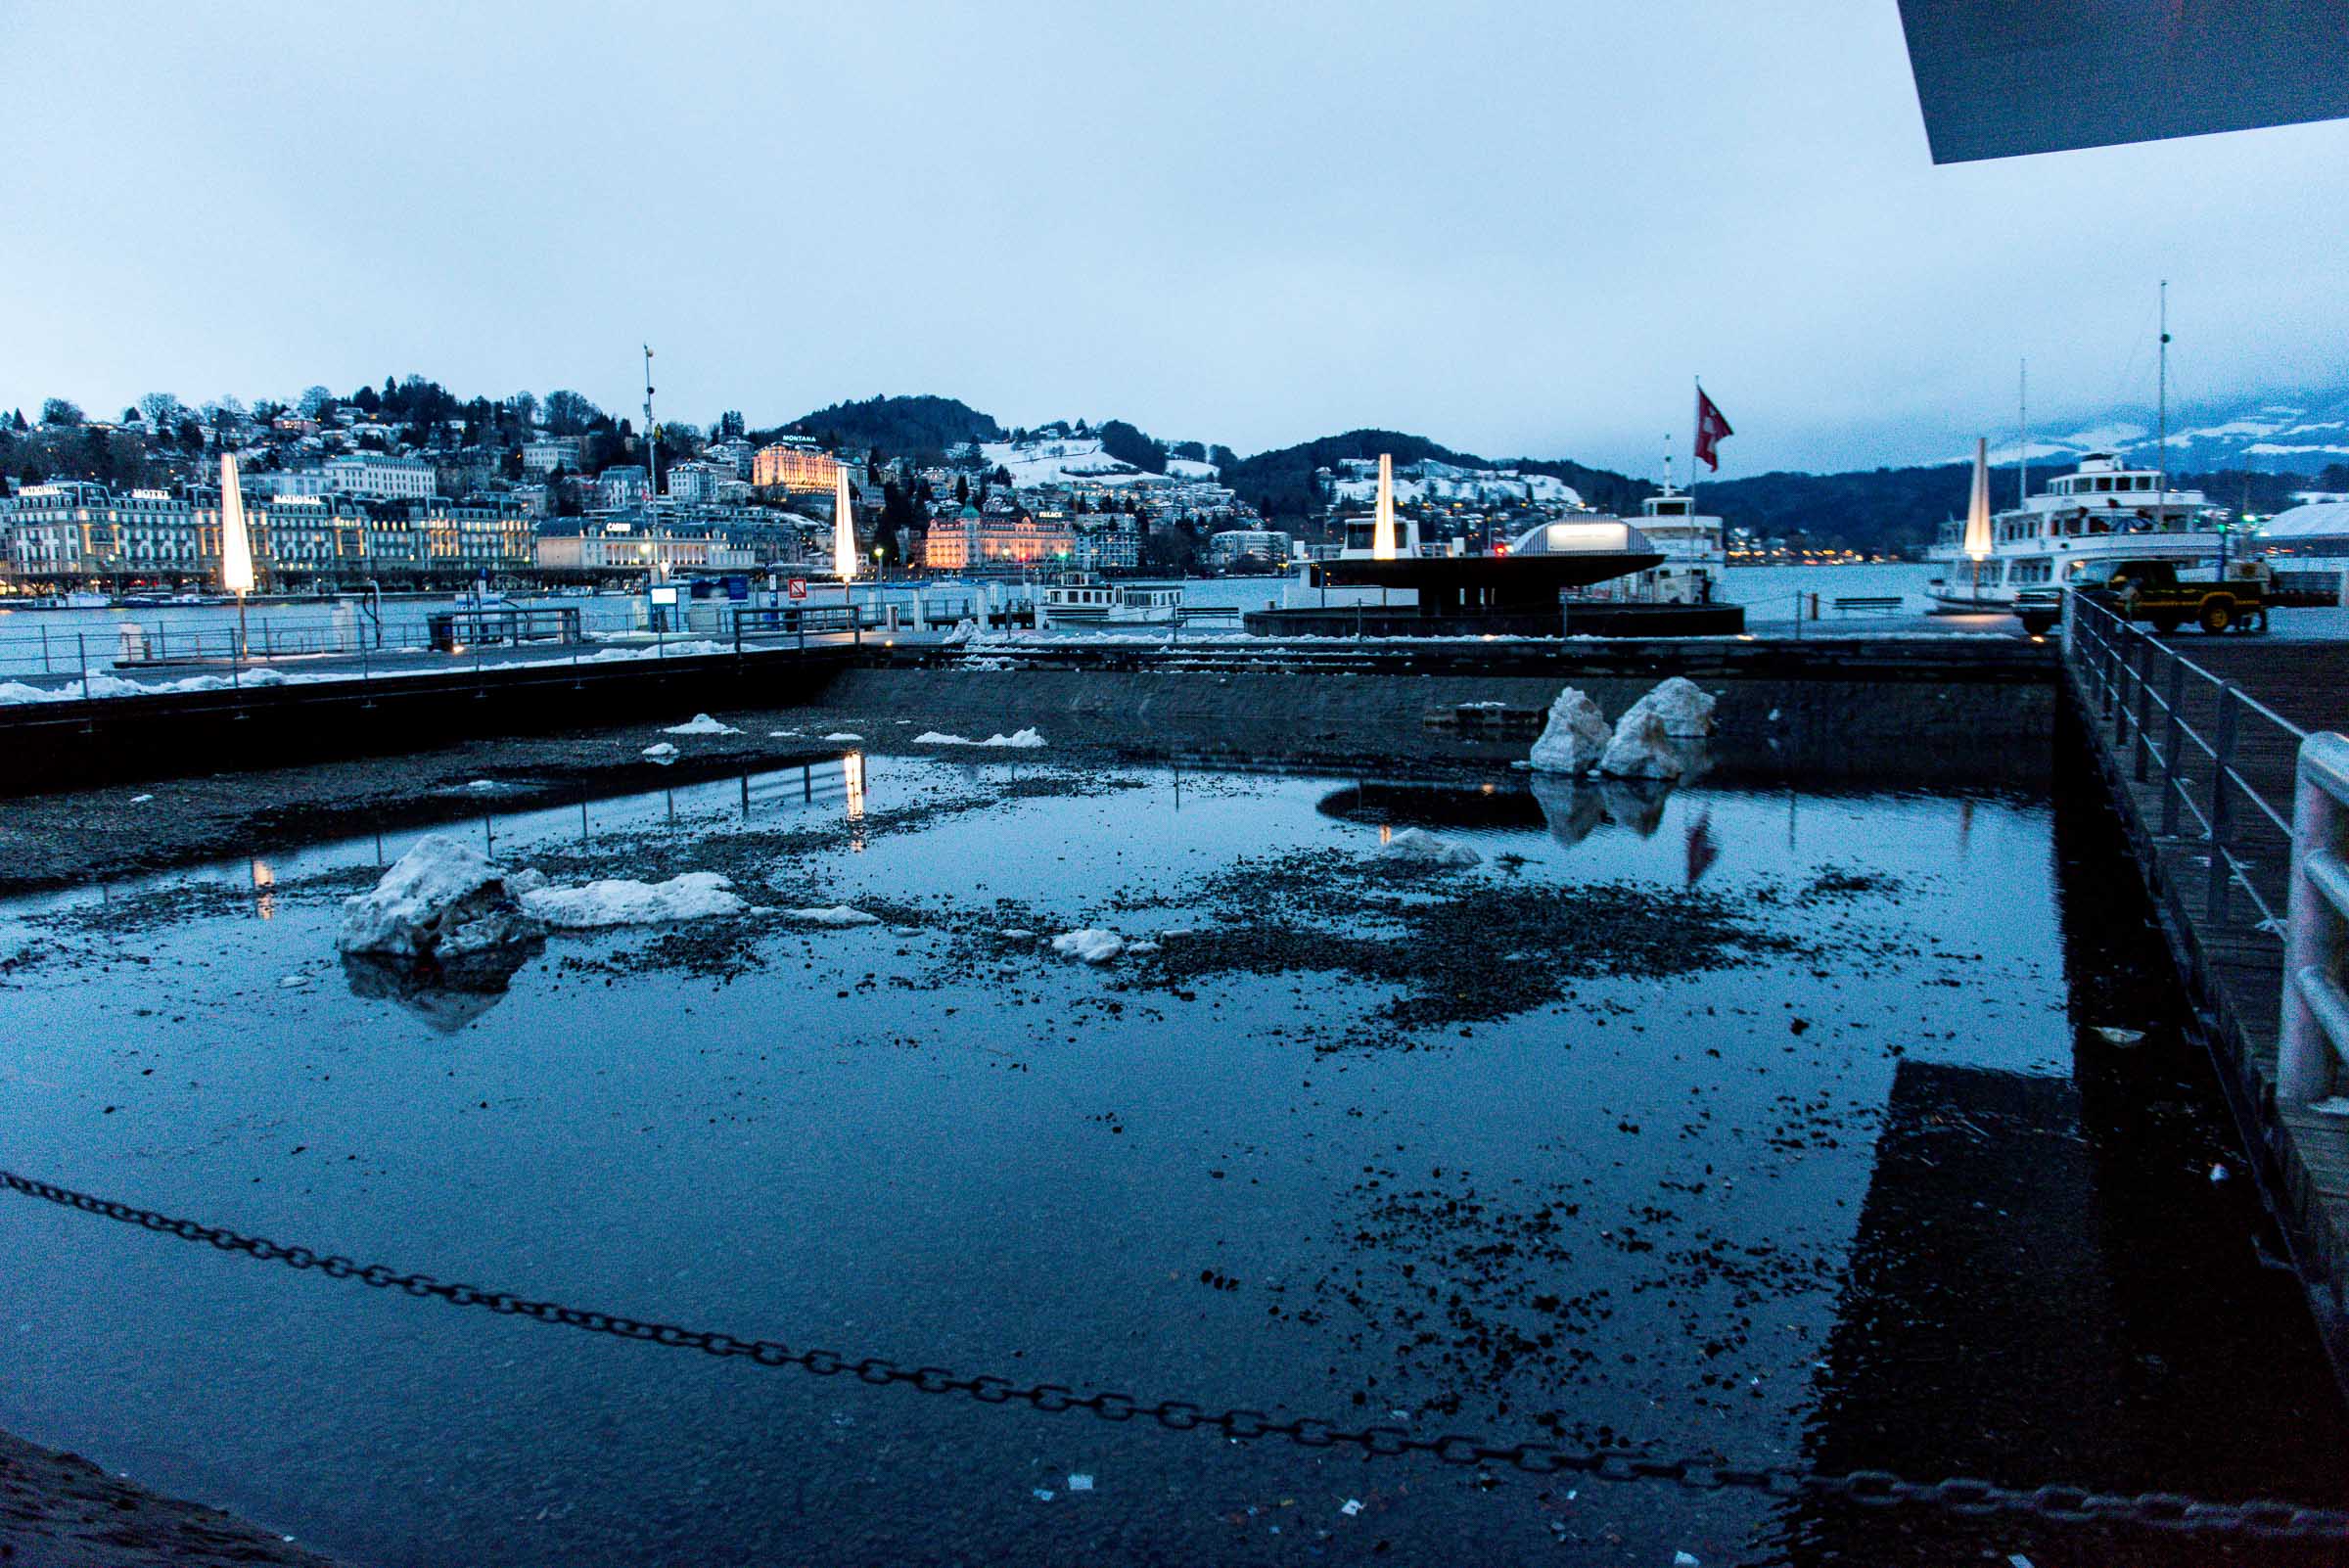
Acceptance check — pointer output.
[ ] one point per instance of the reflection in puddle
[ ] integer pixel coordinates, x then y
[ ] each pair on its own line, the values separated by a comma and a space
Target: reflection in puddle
448, 996
264, 884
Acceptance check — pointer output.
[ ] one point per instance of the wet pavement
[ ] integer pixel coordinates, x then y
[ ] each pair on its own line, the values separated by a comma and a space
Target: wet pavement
1735, 1121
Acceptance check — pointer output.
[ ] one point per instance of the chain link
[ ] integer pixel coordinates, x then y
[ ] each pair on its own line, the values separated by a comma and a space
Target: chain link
1874, 1488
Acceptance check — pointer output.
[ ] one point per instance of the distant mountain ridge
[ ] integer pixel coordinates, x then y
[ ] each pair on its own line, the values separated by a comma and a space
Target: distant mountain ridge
2299, 434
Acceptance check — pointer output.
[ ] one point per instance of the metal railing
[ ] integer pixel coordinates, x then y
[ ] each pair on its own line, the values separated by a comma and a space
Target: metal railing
2314, 1042
2173, 723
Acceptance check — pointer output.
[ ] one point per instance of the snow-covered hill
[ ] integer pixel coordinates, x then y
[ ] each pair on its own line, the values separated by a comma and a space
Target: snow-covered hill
1357, 481
1057, 460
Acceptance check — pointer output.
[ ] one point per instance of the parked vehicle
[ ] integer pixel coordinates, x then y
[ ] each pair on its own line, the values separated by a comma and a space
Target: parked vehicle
2152, 591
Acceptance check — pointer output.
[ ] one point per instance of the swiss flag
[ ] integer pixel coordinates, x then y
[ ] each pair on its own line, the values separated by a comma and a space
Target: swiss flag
1711, 427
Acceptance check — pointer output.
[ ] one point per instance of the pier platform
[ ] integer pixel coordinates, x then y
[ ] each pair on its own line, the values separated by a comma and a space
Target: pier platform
2198, 740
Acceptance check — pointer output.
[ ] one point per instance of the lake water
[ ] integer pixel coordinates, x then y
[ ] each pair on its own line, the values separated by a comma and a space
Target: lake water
1757, 1123
54, 641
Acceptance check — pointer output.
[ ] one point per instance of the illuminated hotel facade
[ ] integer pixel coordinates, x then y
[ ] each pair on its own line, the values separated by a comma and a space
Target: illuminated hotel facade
792, 465
976, 542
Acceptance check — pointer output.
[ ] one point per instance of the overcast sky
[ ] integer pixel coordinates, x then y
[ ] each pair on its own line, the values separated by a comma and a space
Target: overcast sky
1515, 228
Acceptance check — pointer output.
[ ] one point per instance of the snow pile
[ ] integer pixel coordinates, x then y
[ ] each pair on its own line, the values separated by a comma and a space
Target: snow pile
1092, 944
839, 914
1418, 847
700, 724
661, 752
692, 895
652, 650
1575, 738
964, 631
441, 899
1641, 747
1022, 739
1684, 708
16, 691
844, 735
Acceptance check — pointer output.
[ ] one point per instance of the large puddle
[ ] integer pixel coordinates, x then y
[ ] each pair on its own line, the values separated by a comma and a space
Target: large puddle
1767, 1126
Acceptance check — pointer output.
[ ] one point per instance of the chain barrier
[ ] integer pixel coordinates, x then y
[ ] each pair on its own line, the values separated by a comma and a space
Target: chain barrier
1879, 1488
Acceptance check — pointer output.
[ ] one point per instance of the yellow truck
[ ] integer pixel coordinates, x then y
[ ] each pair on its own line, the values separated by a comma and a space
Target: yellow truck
2152, 591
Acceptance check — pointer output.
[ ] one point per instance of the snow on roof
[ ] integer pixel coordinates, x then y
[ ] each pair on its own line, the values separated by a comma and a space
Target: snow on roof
2321, 520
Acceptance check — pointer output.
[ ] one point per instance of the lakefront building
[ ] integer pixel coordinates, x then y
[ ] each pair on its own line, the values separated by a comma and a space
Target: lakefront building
972, 542
82, 531
657, 547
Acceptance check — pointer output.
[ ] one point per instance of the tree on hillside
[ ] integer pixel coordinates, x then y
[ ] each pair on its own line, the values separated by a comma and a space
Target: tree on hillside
962, 489
60, 412
314, 401
1128, 445
568, 413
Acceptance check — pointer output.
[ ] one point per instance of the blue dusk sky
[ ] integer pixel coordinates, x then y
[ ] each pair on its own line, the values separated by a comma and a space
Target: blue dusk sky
1516, 229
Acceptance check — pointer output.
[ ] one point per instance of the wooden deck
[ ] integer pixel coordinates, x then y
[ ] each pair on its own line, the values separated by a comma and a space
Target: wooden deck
2224, 926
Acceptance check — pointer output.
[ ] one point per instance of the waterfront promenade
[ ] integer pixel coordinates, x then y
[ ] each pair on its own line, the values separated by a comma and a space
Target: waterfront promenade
2199, 739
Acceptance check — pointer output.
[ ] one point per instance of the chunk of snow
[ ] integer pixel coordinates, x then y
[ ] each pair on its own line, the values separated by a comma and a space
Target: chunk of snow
1575, 738
1092, 944
1641, 747
964, 631
777, 734
1022, 738
2120, 1036
2335, 1105
1351, 1507
1080, 1482
1016, 934
700, 724
1681, 1559
1418, 847
660, 750
1684, 707
441, 899
839, 914
624, 902
141, 800
292, 982
1141, 947
844, 735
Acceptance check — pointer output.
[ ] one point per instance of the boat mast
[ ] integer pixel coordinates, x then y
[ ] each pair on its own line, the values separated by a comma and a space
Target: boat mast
2022, 479
2161, 501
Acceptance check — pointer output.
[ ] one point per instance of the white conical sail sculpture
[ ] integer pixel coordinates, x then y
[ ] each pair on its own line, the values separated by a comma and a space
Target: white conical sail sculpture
236, 544
1382, 527
844, 525
1977, 509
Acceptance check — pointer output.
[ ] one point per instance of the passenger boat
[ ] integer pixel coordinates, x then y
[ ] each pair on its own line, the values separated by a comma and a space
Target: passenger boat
1083, 597
1694, 546
2103, 510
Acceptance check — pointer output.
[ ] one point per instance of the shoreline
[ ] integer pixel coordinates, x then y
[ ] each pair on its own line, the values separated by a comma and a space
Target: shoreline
60, 1510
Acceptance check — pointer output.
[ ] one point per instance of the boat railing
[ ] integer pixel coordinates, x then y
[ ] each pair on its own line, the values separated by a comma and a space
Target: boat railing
2180, 726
